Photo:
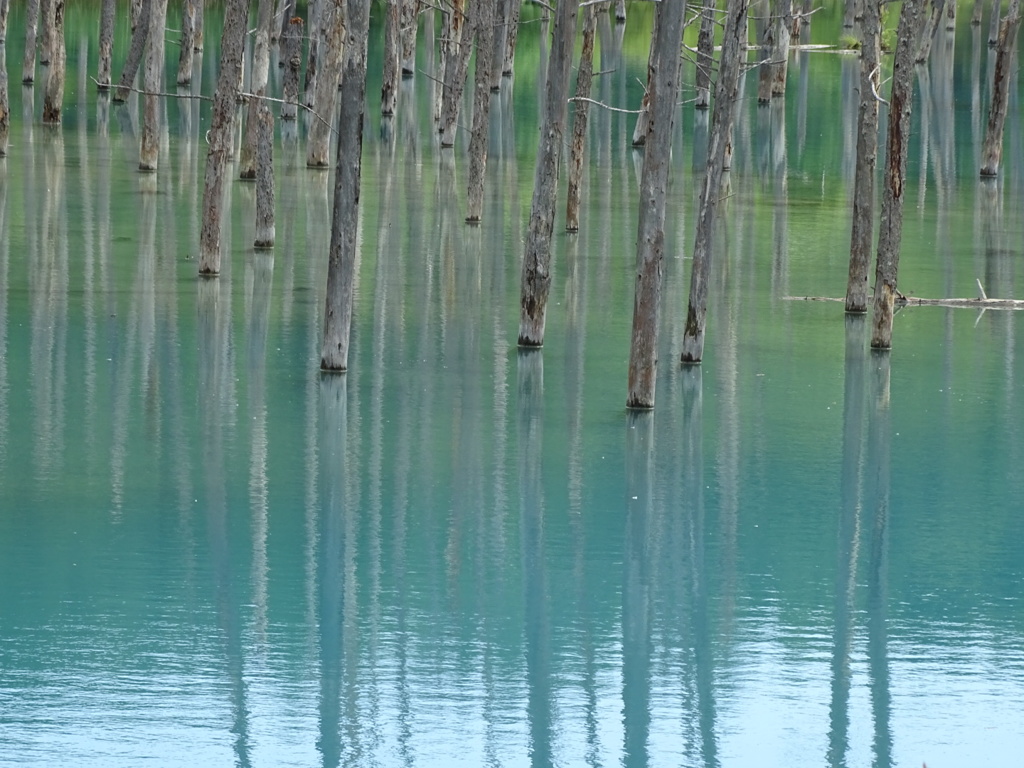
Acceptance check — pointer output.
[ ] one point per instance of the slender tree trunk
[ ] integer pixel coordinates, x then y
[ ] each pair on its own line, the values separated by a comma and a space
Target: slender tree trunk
221, 127
455, 69
780, 53
260, 75
950, 15
584, 80
924, 45
620, 11
501, 13
291, 57
993, 22
345, 215
410, 25
992, 149
138, 45
392, 56
5, 107
53, 97
513, 35
264, 177
642, 119
705, 55
103, 72
481, 108
153, 80
663, 85
332, 20
283, 16
46, 36
186, 53
200, 25
894, 178
28, 67
314, 10
536, 276
863, 225
976, 12
5, 9
719, 155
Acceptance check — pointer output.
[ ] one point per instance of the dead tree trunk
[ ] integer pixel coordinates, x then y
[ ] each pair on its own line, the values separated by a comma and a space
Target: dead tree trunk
265, 229
511, 37
992, 149
5, 107
186, 54
719, 153
663, 85
314, 12
103, 72
584, 79
642, 119
260, 75
993, 22
291, 57
5, 9
392, 57
502, 9
332, 23
219, 137
775, 55
536, 276
153, 83
863, 225
894, 178
46, 36
345, 214
928, 29
53, 97
410, 23
283, 16
135, 50
200, 25
28, 66
976, 12
705, 55
455, 68
481, 108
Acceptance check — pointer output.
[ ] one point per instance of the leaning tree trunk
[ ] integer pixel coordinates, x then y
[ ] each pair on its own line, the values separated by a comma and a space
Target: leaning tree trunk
663, 86
924, 45
131, 63
863, 225
705, 55
719, 155
584, 80
992, 149
28, 66
392, 57
894, 178
291, 57
219, 136
536, 275
345, 214
186, 54
332, 23
153, 80
53, 97
481, 108
455, 69
260, 75
103, 72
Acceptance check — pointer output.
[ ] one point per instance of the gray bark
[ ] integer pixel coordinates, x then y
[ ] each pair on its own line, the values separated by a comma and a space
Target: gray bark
345, 214
455, 68
863, 225
951, 15
410, 24
392, 56
775, 52
502, 10
642, 119
53, 96
620, 11
5, 8
260, 75
976, 12
719, 155
221, 126
894, 178
536, 275
584, 80
992, 148
705, 55
291, 57
264, 177
924, 46
332, 21
135, 50
511, 37
993, 22
313, 12
153, 83
46, 33
200, 25
28, 67
103, 72
186, 53
663, 85
283, 17
481, 108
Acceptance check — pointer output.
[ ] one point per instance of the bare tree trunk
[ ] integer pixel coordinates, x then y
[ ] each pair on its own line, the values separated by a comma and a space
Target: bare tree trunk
976, 12
863, 225
444, 55
719, 154
455, 68
392, 56
894, 178
53, 97
186, 54
705, 55
332, 21
924, 45
219, 137
28, 67
950, 15
481, 108
620, 11
992, 149
536, 276
584, 80
46, 36
642, 119
283, 17
775, 52
135, 50
5, 107
200, 25
291, 57
103, 72
264, 177
345, 214
153, 83
663, 86
993, 23
260, 75
5, 9
513, 35
314, 12
501, 13
410, 24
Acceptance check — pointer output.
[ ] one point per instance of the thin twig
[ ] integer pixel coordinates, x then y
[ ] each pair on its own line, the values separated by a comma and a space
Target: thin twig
606, 106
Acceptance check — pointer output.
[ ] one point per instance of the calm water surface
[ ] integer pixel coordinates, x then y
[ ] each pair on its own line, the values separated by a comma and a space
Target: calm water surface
461, 554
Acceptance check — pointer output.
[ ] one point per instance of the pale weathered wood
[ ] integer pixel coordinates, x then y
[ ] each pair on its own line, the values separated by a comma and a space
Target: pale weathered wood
936, 10
28, 66
536, 274
153, 80
291, 58
5, 8
260, 75
705, 55
392, 57
186, 52
410, 24
135, 51
894, 178
510, 38
992, 149
663, 85
105, 67
5, 108
265, 229
455, 68
584, 80
53, 94
643, 117
341, 260
315, 31
332, 20
481, 109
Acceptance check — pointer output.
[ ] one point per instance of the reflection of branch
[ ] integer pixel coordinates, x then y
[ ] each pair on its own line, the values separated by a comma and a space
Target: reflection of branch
606, 106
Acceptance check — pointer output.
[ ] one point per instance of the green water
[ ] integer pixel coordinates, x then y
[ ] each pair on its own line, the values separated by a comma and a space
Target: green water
459, 554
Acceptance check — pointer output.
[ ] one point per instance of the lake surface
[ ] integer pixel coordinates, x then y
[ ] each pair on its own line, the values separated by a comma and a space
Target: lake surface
462, 554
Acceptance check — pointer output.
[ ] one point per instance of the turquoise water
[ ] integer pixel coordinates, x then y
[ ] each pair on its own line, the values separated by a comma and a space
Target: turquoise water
462, 554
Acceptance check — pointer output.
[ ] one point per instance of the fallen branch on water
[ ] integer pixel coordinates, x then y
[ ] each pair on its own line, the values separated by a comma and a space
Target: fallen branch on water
981, 302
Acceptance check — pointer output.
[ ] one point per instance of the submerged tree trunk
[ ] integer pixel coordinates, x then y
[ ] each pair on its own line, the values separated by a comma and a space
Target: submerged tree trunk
131, 63
264, 177
153, 80
332, 23
103, 72
46, 36
219, 137
719, 154
863, 225
663, 85
410, 24
705, 55
928, 29
894, 178
992, 149
28, 66
186, 53
584, 79
993, 22
345, 214
502, 8
291, 57
5, 107
775, 55
510, 38
260, 75
392, 56
5, 9
455, 69
536, 276
314, 12
481, 108
643, 118
53, 97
